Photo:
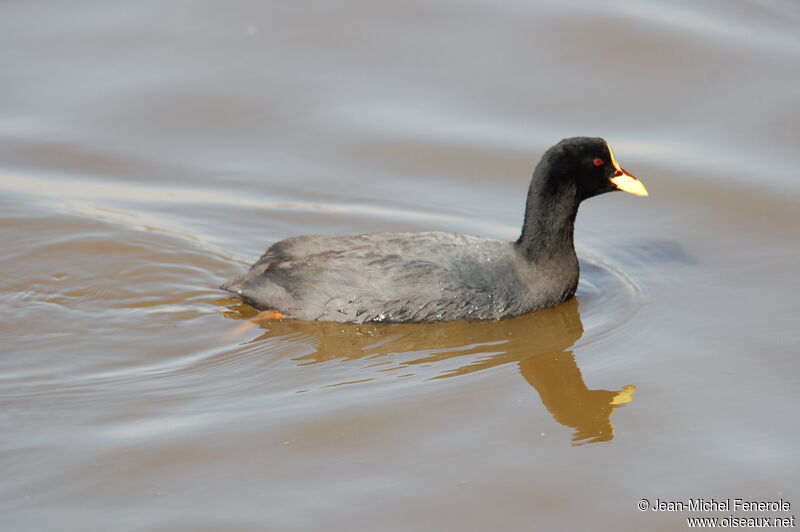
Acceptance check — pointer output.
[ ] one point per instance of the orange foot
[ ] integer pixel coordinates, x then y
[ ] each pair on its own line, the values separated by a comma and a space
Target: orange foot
265, 315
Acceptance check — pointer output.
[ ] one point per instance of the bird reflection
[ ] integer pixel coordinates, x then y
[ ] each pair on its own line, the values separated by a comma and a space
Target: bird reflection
560, 385
539, 343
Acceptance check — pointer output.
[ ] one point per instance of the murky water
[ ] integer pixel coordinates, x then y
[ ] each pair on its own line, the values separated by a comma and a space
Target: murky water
150, 151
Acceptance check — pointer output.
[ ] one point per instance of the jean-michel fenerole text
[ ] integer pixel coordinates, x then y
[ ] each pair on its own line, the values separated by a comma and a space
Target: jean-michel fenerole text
720, 505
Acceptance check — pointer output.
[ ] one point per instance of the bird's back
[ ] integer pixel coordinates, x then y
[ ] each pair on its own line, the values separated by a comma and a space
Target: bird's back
388, 277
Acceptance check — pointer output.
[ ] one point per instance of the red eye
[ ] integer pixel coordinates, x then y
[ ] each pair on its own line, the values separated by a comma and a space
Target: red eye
598, 161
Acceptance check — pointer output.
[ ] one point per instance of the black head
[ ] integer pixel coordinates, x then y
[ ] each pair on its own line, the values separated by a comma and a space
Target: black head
585, 167
571, 171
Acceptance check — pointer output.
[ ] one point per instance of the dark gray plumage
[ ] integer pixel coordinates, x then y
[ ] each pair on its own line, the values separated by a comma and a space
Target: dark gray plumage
442, 276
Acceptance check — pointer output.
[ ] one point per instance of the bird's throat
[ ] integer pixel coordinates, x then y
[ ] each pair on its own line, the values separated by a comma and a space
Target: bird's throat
549, 226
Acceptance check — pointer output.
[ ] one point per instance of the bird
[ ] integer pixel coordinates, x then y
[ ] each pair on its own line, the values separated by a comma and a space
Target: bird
438, 276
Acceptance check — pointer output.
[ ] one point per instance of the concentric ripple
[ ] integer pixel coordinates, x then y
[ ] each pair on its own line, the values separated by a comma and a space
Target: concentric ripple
609, 297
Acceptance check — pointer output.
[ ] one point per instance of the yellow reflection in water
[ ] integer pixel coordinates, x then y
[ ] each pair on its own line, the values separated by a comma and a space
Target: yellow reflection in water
539, 343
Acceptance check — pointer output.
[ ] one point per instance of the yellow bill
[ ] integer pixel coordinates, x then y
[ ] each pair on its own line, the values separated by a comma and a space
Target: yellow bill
623, 180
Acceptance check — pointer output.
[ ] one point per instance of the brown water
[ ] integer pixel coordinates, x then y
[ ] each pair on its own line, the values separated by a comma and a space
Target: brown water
150, 151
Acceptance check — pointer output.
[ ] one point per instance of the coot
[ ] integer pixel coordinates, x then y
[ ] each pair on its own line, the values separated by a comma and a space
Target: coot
396, 277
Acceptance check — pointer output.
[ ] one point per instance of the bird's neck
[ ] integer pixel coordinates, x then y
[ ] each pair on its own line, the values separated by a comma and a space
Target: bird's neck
549, 225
